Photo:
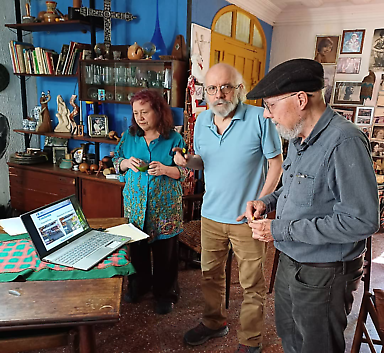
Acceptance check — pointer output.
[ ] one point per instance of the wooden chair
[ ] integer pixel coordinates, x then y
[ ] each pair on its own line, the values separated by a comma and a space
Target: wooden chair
190, 239
372, 305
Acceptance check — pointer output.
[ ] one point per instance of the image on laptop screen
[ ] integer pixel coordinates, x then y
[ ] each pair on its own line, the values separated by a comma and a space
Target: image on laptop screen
59, 223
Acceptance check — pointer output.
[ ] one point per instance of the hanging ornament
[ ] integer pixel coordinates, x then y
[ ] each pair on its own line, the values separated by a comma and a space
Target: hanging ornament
157, 38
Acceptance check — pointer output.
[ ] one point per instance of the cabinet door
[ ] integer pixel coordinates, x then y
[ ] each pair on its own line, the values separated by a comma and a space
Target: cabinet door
31, 189
101, 199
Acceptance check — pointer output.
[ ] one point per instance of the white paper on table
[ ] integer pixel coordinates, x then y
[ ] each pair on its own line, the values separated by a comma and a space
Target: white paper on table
128, 230
13, 226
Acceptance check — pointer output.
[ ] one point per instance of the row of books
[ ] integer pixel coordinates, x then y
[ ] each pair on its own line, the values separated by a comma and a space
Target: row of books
36, 60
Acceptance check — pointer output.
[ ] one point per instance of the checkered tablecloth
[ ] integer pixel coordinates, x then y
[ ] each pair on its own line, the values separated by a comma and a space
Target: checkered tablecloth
18, 258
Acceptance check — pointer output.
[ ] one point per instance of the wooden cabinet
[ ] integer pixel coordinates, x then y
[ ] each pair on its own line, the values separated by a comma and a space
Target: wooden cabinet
33, 186
100, 199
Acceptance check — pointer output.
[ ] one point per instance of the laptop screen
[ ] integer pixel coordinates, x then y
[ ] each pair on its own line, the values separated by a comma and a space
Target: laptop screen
58, 223
55, 225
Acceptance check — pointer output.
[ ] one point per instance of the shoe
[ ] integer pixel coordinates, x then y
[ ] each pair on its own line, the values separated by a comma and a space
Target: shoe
163, 307
201, 334
247, 349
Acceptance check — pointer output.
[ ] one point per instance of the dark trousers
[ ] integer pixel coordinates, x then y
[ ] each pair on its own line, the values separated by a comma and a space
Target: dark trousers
312, 305
163, 278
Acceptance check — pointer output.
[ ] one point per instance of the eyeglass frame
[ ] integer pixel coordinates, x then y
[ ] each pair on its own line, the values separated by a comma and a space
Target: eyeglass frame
221, 88
269, 106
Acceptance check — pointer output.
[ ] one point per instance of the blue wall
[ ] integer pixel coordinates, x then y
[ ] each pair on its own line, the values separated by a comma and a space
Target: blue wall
173, 21
203, 12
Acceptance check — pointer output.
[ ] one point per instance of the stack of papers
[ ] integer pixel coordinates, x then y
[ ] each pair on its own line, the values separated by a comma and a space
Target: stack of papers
13, 226
128, 230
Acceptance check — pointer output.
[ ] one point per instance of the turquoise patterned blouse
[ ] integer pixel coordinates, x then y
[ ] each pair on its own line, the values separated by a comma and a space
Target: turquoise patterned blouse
153, 202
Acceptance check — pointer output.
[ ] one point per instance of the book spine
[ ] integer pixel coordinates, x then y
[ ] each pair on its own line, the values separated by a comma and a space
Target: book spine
12, 57
20, 58
35, 64
49, 62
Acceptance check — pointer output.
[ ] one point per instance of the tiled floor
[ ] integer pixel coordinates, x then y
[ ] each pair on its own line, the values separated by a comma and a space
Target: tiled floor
141, 330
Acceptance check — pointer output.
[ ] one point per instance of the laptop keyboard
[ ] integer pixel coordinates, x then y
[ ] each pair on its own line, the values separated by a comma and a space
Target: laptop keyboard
82, 250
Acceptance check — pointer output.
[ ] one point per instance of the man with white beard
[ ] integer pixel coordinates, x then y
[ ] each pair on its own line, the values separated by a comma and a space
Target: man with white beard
234, 145
326, 208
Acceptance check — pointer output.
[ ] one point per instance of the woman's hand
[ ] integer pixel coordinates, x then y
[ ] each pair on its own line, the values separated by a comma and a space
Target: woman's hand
156, 168
131, 163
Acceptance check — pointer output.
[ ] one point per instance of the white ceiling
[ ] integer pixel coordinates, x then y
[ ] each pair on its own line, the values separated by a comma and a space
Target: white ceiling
283, 12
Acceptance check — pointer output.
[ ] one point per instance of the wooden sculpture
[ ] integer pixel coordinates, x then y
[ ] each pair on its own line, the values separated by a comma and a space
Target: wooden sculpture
62, 115
75, 112
44, 124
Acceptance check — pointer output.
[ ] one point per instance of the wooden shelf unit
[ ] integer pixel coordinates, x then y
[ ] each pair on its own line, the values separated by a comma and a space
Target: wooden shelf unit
67, 26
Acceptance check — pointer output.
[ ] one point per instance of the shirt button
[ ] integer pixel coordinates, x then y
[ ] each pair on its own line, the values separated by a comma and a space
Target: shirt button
285, 196
299, 153
291, 175
278, 217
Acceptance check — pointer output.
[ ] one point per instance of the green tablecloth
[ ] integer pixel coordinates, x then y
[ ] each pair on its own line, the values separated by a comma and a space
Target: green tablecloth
18, 258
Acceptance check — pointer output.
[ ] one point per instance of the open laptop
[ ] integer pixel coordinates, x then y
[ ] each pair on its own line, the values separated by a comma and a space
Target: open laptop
61, 235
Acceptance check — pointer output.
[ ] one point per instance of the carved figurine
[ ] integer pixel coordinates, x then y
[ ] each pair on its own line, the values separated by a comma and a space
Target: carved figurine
74, 112
44, 124
62, 115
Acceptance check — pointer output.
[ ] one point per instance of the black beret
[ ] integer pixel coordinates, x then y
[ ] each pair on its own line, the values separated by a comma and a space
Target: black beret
290, 76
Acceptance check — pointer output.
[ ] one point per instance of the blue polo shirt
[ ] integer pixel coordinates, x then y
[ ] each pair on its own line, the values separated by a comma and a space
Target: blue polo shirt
235, 163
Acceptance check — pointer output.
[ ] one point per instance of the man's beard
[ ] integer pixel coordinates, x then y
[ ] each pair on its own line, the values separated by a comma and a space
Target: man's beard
290, 134
226, 108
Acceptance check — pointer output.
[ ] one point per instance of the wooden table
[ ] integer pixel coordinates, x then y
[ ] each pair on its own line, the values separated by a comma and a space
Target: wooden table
78, 304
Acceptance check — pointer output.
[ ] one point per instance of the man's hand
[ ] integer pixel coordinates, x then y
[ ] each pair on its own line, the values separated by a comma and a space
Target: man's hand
254, 210
261, 230
181, 157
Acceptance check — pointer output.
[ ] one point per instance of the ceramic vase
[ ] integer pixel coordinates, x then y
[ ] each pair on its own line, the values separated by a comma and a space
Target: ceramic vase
157, 38
50, 15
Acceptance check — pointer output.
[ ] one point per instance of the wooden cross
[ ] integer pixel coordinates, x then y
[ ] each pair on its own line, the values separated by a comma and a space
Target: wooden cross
107, 14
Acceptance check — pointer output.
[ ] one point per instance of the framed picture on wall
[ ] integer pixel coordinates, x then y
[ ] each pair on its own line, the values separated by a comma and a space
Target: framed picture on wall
378, 132
348, 65
346, 111
347, 92
376, 61
329, 77
367, 130
326, 49
364, 115
352, 41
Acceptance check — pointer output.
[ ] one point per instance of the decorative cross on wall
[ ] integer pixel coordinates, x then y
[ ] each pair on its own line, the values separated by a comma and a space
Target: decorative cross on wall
107, 14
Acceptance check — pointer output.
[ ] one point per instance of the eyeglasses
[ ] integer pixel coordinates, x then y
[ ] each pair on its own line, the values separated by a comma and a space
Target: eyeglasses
225, 89
269, 106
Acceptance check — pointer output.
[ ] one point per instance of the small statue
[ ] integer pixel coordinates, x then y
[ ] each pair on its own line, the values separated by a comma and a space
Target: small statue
75, 112
44, 124
62, 115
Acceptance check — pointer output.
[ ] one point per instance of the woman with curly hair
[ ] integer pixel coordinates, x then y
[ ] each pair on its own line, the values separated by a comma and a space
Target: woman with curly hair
152, 198
324, 47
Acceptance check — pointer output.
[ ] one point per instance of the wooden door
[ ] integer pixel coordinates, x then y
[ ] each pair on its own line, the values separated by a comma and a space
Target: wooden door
243, 48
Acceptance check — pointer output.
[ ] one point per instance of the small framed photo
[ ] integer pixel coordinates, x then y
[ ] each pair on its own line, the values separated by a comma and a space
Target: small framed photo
348, 65
378, 133
376, 60
346, 111
366, 130
378, 117
352, 41
97, 125
59, 153
329, 78
326, 49
364, 115
347, 92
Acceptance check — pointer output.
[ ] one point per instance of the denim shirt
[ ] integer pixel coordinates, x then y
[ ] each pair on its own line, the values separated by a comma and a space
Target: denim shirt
328, 203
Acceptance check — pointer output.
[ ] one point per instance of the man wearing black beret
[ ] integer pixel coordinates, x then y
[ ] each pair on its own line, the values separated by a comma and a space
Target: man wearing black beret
325, 210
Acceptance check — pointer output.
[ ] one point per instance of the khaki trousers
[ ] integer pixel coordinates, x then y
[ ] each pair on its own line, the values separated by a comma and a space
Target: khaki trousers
250, 256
